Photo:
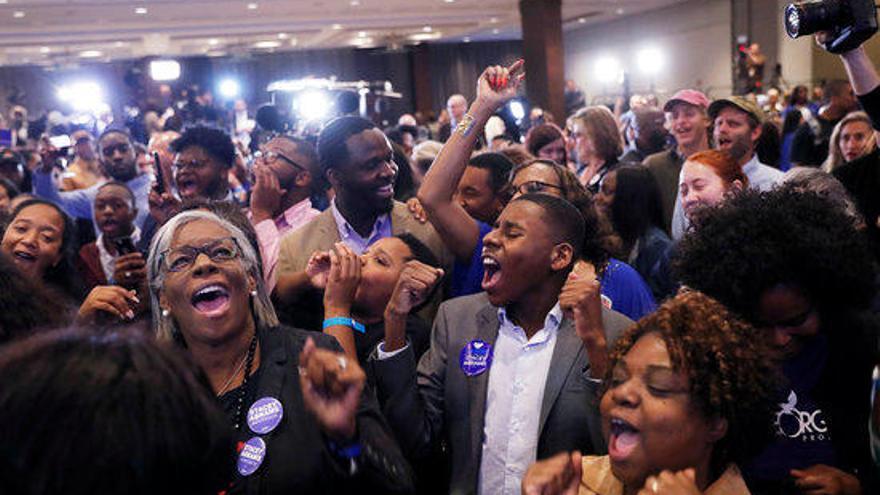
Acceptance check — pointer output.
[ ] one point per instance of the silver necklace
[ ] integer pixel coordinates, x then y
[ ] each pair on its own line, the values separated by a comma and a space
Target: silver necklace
233, 375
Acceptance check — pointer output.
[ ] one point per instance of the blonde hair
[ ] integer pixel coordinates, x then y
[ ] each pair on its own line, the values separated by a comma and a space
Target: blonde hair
835, 155
165, 328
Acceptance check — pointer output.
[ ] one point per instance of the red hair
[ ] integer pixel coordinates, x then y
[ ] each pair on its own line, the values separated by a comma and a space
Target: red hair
723, 165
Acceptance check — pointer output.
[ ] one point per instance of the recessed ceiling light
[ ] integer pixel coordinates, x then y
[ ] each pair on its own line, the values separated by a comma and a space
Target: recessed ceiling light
496, 31
4, 2
619, 11
90, 54
426, 29
140, 10
362, 34
293, 41
267, 44
449, 1
45, 49
282, 36
252, 6
355, 3
582, 20
18, 14
493, 20
467, 39
337, 27
119, 44
213, 42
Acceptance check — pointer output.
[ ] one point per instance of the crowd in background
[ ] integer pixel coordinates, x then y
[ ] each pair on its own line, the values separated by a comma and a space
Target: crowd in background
660, 297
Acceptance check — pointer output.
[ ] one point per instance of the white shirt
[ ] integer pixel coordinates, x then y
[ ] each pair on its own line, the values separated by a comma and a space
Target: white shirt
515, 393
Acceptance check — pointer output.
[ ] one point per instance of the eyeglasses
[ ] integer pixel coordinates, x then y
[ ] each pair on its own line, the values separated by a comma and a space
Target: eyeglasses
269, 157
535, 186
183, 257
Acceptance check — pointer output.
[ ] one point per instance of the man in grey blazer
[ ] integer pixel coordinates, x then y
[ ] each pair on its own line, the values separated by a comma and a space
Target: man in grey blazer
512, 374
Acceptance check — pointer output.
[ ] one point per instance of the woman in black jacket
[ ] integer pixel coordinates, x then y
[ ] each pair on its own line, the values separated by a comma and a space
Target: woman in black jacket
304, 420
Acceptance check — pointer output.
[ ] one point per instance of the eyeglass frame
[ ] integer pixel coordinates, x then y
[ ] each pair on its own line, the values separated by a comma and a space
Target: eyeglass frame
203, 249
543, 186
262, 156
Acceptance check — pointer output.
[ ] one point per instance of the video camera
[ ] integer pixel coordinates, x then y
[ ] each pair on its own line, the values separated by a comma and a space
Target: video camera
848, 22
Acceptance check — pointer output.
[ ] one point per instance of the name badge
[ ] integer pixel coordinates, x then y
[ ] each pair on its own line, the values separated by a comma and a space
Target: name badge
264, 415
251, 456
475, 358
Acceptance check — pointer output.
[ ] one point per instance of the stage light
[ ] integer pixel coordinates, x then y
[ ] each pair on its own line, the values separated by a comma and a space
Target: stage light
517, 110
608, 70
83, 96
312, 105
164, 70
229, 88
650, 60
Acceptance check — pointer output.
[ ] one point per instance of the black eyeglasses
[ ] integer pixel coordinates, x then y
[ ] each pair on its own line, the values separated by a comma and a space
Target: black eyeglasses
183, 257
535, 186
269, 157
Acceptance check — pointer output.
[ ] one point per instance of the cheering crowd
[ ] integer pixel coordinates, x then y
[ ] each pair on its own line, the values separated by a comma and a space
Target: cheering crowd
674, 299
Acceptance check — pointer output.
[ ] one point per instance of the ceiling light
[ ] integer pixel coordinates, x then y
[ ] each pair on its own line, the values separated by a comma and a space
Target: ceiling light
293, 41
426, 29
449, 1
140, 10
355, 3
493, 20
282, 36
165, 70
619, 11
45, 49
18, 14
252, 6
337, 27
582, 20
119, 44
267, 44
213, 42
4, 2
496, 31
467, 39
362, 34
90, 54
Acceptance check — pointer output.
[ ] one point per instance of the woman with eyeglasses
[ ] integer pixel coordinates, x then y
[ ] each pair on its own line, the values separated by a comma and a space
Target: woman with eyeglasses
793, 264
623, 289
303, 418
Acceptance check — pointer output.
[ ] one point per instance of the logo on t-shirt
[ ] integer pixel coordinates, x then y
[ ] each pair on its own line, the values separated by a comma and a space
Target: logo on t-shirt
806, 423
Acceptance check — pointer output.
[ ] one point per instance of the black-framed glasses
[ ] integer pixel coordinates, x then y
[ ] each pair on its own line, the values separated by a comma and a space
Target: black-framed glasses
535, 186
183, 257
270, 157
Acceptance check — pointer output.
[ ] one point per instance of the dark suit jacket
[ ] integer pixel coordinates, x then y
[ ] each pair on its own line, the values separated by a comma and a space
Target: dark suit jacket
298, 459
438, 401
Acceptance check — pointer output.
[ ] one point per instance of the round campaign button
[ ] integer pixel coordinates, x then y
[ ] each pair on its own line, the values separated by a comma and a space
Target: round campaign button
475, 358
251, 456
264, 415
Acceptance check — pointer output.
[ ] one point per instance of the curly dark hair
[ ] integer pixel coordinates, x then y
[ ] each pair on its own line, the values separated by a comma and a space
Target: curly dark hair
215, 142
726, 364
757, 240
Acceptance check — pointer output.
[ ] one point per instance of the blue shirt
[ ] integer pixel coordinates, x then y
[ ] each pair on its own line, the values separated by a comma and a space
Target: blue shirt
467, 278
80, 203
624, 291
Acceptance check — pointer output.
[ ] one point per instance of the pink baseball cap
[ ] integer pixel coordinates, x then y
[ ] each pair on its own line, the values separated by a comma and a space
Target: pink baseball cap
689, 96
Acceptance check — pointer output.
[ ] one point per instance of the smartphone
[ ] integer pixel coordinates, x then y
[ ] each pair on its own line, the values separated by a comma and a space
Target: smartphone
60, 142
160, 177
124, 245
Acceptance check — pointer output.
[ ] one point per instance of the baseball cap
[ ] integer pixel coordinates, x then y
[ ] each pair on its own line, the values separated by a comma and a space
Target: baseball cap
689, 96
739, 102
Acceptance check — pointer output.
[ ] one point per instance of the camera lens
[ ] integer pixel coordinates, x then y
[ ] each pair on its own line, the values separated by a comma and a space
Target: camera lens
805, 18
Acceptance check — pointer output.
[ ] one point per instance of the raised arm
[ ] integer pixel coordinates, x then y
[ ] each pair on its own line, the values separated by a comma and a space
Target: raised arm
861, 71
495, 87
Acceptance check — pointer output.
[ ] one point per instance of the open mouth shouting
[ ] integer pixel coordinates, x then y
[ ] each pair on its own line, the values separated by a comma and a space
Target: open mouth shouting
491, 272
187, 186
211, 300
622, 440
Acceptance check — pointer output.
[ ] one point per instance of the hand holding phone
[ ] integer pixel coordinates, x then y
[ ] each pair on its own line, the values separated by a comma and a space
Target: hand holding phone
160, 175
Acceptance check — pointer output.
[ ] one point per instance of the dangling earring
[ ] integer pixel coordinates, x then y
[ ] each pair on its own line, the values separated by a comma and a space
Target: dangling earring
254, 293
165, 313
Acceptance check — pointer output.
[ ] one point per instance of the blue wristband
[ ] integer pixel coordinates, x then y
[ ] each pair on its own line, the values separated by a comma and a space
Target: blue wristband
346, 322
350, 451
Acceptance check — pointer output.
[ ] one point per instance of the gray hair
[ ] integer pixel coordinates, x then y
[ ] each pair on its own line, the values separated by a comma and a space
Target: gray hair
825, 185
165, 328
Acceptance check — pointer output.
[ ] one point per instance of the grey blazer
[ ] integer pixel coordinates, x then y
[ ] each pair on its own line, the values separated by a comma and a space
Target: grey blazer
438, 401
